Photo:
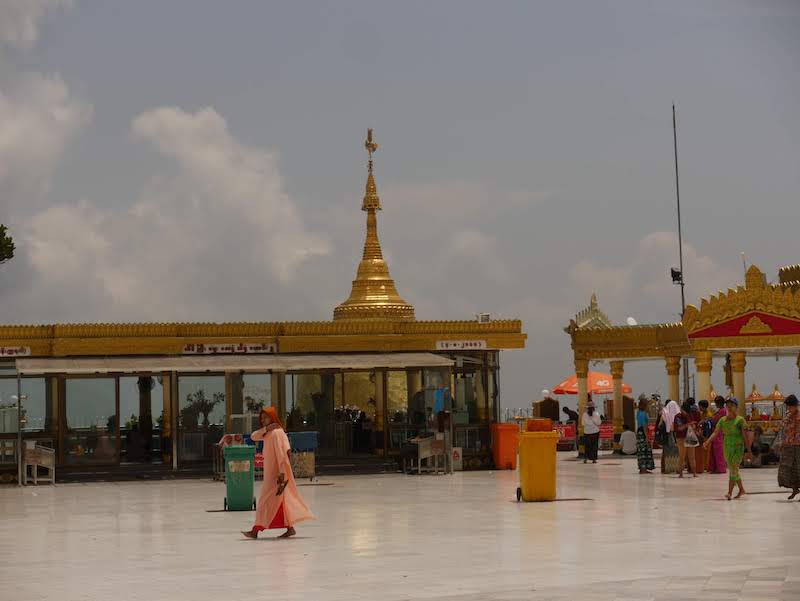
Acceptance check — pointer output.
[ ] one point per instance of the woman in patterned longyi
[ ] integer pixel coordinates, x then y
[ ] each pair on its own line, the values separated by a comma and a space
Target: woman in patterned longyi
789, 468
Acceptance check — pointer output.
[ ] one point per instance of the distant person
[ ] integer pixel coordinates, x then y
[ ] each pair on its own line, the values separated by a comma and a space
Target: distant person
716, 456
627, 441
664, 428
591, 430
734, 427
572, 416
644, 452
789, 467
755, 448
686, 438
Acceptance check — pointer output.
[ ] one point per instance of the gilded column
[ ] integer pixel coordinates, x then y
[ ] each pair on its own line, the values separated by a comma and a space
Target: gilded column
380, 399
673, 371
582, 373
738, 362
702, 364
167, 431
617, 371
278, 392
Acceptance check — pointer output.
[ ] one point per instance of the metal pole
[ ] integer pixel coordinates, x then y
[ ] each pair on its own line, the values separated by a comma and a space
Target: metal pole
20, 464
680, 245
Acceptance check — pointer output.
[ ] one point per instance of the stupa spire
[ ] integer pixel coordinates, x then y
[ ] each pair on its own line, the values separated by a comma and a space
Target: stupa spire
374, 295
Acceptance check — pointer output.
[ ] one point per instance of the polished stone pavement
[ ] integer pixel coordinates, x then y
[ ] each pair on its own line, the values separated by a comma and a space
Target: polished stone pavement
394, 537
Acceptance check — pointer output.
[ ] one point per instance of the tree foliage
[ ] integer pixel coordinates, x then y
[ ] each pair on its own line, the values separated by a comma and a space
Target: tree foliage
6, 245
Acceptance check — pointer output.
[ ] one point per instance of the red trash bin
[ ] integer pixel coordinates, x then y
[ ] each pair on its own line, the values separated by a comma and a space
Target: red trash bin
505, 439
539, 424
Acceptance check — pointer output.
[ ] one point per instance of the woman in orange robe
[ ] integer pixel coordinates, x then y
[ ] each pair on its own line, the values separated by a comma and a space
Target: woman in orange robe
279, 504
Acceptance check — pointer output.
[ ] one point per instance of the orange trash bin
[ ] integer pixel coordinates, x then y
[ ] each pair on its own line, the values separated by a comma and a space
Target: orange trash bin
504, 445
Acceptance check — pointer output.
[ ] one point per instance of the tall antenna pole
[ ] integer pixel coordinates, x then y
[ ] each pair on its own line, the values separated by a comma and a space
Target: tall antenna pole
680, 245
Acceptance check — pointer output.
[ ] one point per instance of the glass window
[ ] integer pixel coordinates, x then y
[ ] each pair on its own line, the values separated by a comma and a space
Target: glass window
201, 415
359, 394
141, 408
91, 421
355, 429
310, 406
405, 406
35, 414
250, 393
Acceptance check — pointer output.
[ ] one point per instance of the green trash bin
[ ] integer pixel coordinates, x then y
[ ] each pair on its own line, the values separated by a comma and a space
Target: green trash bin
239, 477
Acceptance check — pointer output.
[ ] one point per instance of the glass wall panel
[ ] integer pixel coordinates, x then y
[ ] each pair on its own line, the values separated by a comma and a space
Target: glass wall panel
35, 415
201, 416
355, 419
141, 407
405, 406
250, 394
91, 421
310, 406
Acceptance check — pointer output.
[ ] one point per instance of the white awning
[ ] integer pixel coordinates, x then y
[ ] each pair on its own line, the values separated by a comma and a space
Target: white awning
219, 363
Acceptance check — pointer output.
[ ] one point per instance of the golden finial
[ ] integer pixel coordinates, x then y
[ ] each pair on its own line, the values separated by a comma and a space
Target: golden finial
371, 199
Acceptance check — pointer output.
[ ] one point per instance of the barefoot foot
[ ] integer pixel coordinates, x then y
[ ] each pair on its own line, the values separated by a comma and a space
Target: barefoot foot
794, 493
289, 533
740, 494
250, 533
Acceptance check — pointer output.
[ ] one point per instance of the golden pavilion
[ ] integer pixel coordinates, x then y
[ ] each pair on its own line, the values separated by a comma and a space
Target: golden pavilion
756, 318
109, 396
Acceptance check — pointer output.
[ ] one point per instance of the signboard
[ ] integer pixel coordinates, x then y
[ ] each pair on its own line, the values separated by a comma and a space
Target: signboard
566, 432
606, 431
461, 345
232, 348
458, 460
15, 351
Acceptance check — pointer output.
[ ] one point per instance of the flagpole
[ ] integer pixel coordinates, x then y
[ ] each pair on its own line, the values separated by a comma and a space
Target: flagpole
680, 245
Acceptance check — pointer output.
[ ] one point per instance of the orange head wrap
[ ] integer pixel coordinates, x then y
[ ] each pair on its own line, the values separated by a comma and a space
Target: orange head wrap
273, 416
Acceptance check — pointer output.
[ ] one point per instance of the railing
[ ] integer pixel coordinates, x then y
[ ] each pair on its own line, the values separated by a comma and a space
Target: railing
400, 433
474, 438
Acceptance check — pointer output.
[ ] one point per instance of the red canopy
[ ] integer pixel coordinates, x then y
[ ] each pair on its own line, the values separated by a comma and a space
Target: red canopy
597, 383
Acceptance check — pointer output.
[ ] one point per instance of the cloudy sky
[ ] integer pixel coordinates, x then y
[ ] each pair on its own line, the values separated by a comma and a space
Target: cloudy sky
197, 160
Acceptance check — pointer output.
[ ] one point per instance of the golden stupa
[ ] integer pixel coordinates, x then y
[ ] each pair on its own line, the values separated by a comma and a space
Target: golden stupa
374, 295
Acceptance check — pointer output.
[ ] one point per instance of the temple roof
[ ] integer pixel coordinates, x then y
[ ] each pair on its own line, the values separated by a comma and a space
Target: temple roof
590, 317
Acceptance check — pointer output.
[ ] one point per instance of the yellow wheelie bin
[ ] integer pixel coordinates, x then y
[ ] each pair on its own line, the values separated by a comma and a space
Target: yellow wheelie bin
537, 466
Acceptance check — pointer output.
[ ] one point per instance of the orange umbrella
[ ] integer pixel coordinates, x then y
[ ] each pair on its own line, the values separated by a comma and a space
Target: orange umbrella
597, 383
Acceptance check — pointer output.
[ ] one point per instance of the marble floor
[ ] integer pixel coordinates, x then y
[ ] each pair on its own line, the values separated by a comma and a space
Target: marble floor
615, 535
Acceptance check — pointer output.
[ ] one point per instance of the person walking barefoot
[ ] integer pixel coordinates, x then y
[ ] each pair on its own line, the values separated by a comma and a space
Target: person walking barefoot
734, 427
279, 504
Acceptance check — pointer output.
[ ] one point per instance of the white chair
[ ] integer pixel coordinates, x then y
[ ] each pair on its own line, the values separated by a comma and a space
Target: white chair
36, 456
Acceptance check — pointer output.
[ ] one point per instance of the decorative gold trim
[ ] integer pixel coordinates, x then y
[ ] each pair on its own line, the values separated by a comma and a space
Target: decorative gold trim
673, 365
703, 361
755, 326
738, 361
762, 341
169, 339
782, 300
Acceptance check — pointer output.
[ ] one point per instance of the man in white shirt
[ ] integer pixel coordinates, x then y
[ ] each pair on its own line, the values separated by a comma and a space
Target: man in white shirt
627, 440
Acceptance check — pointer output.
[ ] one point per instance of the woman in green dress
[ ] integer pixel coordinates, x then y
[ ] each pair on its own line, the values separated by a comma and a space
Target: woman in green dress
736, 444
